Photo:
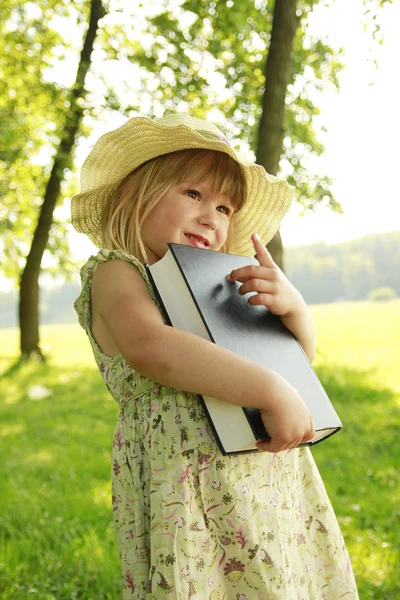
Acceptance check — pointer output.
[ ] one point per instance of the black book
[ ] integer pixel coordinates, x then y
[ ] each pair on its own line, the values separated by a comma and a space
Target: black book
195, 295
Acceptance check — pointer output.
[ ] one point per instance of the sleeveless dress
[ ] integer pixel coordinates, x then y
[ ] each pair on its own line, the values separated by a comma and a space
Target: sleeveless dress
194, 524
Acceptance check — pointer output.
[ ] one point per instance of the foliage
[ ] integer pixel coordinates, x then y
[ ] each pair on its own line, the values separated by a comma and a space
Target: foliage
209, 58
55, 528
382, 294
203, 56
32, 112
349, 270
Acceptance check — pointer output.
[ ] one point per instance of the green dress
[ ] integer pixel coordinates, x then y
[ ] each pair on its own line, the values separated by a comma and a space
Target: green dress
194, 524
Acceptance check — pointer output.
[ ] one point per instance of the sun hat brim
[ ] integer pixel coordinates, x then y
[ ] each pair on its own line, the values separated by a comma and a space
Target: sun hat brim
119, 152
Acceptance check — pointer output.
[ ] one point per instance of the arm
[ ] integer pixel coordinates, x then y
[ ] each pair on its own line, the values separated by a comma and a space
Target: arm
300, 323
185, 361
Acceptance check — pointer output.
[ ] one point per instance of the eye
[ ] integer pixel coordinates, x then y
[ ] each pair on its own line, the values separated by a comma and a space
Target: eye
193, 194
225, 210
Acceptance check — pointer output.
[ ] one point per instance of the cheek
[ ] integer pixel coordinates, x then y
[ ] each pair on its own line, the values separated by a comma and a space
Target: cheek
223, 232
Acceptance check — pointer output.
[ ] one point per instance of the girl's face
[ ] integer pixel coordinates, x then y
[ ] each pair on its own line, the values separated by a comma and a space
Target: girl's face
189, 213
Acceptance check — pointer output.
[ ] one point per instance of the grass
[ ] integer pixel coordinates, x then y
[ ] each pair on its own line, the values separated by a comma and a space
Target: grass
56, 537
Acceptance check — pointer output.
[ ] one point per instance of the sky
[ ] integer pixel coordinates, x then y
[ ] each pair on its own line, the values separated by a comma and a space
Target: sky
362, 144
363, 132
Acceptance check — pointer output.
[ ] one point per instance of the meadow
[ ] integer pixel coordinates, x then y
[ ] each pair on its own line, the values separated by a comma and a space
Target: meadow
56, 425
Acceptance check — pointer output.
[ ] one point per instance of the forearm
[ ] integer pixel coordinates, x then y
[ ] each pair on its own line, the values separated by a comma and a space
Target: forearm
185, 361
302, 327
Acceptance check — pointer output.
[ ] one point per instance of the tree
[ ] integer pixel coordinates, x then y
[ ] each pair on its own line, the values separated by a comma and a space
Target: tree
29, 284
277, 76
31, 114
183, 59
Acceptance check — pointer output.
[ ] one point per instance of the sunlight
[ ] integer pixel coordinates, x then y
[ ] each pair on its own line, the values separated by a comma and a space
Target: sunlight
43, 456
12, 430
102, 494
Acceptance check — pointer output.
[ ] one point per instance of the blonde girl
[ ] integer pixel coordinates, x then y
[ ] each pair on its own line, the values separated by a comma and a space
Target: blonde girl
190, 522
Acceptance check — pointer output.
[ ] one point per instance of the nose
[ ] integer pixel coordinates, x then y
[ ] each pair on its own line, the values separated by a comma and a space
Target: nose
209, 216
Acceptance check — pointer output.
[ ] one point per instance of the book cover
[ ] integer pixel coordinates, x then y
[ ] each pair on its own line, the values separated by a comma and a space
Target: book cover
193, 290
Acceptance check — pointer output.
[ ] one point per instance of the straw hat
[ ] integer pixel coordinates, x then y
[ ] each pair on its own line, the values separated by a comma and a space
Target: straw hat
140, 139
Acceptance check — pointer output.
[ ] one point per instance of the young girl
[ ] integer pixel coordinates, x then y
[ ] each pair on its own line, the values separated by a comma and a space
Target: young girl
190, 522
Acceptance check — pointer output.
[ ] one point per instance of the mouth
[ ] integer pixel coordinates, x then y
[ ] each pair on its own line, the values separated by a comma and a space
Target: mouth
197, 240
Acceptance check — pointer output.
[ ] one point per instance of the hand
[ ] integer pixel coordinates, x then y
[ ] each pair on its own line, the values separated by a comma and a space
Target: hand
273, 288
289, 422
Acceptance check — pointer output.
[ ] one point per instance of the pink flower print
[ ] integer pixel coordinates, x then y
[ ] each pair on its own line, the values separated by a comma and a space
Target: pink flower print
207, 546
204, 452
156, 390
241, 537
185, 475
321, 527
129, 581
180, 522
118, 439
245, 489
192, 589
216, 485
234, 570
241, 597
210, 581
225, 540
185, 571
274, 502
115, 500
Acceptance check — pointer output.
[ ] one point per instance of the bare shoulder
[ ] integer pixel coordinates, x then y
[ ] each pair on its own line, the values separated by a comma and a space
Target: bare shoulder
123, 310
115, 279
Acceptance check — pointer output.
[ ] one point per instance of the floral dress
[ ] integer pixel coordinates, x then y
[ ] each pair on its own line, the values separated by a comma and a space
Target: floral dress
194, 524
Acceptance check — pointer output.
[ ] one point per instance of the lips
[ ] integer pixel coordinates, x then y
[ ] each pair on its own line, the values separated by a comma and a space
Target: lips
197, 240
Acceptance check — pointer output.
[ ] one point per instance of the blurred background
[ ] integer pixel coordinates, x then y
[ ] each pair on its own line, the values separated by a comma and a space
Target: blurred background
338, 122
307, 88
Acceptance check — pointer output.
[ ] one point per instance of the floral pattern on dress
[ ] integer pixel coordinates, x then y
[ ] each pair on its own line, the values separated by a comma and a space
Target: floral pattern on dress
192, 524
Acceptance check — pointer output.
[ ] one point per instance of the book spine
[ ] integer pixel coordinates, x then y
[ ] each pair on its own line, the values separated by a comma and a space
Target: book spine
159, 299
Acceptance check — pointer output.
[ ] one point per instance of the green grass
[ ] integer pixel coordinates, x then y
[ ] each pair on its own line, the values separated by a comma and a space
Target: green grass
56, 537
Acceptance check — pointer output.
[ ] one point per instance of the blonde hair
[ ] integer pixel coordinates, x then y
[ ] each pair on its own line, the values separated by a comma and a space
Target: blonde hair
136, 196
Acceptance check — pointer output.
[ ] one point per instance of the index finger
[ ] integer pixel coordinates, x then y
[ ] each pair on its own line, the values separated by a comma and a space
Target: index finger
262, 254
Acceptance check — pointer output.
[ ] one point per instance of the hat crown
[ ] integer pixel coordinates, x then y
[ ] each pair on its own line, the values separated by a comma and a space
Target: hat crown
198, 125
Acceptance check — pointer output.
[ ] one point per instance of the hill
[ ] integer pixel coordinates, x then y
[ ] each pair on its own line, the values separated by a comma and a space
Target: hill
345, 271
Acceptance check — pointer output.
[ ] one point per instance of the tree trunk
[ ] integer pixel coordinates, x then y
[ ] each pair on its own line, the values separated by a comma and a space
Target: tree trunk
29, 283
277, 77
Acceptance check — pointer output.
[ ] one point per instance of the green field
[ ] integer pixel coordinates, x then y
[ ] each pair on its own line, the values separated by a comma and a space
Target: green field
56, 537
